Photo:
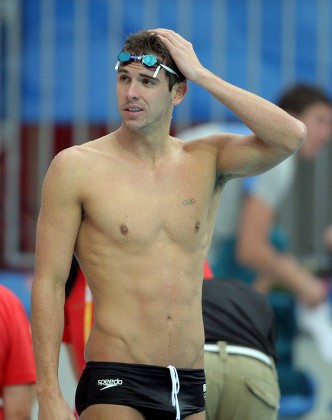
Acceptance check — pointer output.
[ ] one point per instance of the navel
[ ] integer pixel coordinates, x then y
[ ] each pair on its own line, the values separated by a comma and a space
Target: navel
197, 225
123, 229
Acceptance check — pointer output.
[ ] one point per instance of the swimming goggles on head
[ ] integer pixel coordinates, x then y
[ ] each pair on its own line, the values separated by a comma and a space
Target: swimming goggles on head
150, 61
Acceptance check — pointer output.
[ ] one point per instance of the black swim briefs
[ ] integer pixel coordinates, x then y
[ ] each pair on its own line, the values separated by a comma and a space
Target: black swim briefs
157, 392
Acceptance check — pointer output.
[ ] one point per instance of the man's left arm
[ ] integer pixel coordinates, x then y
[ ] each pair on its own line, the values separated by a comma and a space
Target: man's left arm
276, 134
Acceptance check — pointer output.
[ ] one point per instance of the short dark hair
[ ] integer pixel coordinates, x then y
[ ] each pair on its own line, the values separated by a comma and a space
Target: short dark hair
145, 42
299, 97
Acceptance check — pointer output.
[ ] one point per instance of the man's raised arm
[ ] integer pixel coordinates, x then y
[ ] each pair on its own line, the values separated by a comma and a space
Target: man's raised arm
277, 134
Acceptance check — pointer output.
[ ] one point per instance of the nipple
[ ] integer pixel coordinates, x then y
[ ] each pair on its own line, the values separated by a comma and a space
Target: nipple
123, 229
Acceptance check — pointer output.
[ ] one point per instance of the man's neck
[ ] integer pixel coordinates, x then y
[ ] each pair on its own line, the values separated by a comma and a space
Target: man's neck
145, 146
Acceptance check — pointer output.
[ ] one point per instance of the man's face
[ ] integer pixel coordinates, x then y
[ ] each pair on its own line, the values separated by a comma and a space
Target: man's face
143, 101
318, 120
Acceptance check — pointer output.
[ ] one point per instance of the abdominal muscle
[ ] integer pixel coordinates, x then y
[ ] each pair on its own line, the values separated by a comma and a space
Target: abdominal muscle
153, 319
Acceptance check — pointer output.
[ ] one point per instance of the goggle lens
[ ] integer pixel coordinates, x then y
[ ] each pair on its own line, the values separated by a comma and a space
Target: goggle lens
150, 60
124, 57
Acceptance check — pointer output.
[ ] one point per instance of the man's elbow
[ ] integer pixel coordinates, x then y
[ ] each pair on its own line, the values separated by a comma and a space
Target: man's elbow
299, 134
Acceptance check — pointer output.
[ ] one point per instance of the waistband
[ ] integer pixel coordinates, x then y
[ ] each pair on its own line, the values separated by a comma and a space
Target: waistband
240, 351
141, 369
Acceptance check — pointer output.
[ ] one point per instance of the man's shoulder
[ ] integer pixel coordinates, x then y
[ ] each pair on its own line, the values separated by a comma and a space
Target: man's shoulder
79, 155
78, 150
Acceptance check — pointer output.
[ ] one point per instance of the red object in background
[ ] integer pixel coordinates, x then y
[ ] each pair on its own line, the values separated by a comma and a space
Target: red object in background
76, 309
208, 274
17, 364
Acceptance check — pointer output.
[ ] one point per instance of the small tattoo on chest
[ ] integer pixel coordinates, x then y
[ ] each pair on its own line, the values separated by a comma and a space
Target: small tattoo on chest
189, 202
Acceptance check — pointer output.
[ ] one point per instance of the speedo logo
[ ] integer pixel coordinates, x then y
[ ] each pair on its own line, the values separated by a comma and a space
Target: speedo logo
108, 383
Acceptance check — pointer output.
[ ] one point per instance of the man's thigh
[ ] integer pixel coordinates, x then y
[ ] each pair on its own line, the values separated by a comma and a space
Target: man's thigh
110, 412
197, 416
120, 412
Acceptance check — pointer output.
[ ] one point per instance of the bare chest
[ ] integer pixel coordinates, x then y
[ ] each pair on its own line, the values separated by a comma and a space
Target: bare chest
143, 206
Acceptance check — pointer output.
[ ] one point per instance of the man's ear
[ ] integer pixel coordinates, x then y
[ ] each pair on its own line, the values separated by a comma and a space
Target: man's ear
180, 89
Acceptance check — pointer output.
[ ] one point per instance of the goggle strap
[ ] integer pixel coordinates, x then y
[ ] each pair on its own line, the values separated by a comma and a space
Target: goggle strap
169, 69
117, 65
155, 74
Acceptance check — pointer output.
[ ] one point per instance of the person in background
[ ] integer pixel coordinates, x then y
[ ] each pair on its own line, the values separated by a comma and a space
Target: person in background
241, 378
17, 364
264, 199
270, 256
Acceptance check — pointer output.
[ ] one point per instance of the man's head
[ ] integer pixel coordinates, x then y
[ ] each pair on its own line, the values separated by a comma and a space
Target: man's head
146, 43
314, 108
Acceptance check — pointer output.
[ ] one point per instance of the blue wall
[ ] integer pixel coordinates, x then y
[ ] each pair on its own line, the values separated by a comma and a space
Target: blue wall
115, 19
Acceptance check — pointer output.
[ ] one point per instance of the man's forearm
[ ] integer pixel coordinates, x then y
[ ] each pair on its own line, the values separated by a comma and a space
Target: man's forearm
269, 122
287, 272
47, 320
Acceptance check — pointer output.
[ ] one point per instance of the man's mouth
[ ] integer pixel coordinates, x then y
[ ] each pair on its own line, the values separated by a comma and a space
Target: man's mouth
133, 109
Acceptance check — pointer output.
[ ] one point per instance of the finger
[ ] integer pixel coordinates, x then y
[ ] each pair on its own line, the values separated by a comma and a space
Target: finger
170, 35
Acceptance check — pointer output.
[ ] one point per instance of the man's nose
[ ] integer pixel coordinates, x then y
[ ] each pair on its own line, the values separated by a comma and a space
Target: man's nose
133, 90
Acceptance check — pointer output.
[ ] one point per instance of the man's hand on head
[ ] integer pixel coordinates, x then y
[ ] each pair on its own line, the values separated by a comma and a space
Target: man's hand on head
182, 52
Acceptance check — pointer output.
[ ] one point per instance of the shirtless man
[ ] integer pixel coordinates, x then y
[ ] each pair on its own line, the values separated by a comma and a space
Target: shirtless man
137, 207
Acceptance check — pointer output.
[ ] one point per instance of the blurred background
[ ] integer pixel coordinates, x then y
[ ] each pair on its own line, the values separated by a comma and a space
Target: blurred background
57, 89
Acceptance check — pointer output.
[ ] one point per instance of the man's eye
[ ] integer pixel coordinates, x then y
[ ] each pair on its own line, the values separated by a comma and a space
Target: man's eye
148, 82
